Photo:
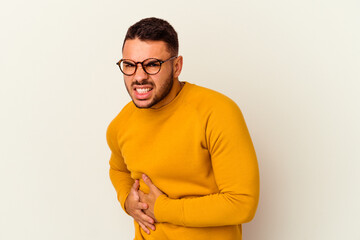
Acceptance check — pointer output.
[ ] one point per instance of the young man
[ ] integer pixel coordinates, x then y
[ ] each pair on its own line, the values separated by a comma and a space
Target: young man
182, 161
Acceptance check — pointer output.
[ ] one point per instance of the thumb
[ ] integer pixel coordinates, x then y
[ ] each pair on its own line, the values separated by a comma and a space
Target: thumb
136, 185
148, 181
134, 190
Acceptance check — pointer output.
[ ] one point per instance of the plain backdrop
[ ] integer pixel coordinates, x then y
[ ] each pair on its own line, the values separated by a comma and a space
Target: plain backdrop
293, 67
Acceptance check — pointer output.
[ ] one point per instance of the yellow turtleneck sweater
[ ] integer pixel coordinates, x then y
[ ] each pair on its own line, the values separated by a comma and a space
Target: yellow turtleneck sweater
198, 151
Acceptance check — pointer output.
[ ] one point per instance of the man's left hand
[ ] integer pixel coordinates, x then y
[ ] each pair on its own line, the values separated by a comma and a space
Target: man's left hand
151, 197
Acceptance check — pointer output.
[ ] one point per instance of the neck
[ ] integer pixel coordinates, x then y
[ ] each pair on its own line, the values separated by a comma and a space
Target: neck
176, 88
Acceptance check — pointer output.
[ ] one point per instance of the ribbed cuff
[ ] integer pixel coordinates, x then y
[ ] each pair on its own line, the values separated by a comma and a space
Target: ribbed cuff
122, 199
169, 210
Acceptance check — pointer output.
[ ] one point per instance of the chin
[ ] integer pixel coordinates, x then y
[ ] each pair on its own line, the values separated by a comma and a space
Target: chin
143, 104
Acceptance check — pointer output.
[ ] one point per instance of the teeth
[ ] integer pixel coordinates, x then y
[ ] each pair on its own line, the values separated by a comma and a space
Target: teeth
142, 90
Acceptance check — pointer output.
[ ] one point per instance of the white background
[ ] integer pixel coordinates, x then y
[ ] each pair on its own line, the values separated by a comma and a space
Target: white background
293, 67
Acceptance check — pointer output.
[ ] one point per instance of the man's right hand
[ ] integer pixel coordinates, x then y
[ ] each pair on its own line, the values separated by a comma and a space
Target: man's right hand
134, 208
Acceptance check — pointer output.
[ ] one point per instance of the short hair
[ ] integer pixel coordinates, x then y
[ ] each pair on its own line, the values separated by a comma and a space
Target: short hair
154, 29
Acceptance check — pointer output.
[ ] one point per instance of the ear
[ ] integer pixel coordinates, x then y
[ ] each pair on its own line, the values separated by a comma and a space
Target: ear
178, 63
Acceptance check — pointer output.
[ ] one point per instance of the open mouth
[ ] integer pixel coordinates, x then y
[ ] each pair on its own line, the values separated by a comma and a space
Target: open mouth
142, 90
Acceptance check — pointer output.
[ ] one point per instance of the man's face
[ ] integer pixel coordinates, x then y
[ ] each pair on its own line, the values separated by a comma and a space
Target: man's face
148, 90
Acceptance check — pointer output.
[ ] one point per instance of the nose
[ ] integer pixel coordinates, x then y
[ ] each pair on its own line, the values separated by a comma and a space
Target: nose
140, 74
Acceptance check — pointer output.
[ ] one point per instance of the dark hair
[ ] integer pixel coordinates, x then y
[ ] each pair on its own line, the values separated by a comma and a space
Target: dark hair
154, 29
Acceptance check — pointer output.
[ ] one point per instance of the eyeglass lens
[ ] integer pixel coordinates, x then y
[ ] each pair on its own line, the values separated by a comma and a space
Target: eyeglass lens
150, 66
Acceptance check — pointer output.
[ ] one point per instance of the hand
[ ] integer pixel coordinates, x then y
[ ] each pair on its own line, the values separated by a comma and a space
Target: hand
134, 207
149, 198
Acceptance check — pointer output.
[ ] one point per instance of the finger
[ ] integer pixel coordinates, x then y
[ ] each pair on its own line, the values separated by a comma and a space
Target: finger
134, 191
144, 228
136, 184
147, 220
147, 181
142, 206
141, 195
151, 226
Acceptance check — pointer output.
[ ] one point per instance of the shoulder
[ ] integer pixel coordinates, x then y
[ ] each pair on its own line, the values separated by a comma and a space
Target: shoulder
210, 101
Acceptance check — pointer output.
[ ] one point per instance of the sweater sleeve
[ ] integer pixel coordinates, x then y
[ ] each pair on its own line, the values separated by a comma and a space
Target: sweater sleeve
236, 173
119, 174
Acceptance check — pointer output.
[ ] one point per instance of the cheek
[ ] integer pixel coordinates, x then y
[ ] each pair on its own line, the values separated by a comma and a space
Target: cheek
162, 79
127, 81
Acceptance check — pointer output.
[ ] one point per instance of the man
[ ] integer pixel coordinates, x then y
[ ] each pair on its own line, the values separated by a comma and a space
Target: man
182, 161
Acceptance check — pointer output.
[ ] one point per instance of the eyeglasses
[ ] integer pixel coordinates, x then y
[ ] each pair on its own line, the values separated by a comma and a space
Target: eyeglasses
151, 65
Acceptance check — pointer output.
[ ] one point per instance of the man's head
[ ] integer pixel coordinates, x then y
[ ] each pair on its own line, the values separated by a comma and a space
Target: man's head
151, 44
154, 29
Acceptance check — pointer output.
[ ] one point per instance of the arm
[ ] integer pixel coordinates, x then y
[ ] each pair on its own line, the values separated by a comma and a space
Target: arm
125, 186
236, 173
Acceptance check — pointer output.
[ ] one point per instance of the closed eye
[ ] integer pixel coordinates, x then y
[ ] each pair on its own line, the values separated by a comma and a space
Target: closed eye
128, 64
152, 64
